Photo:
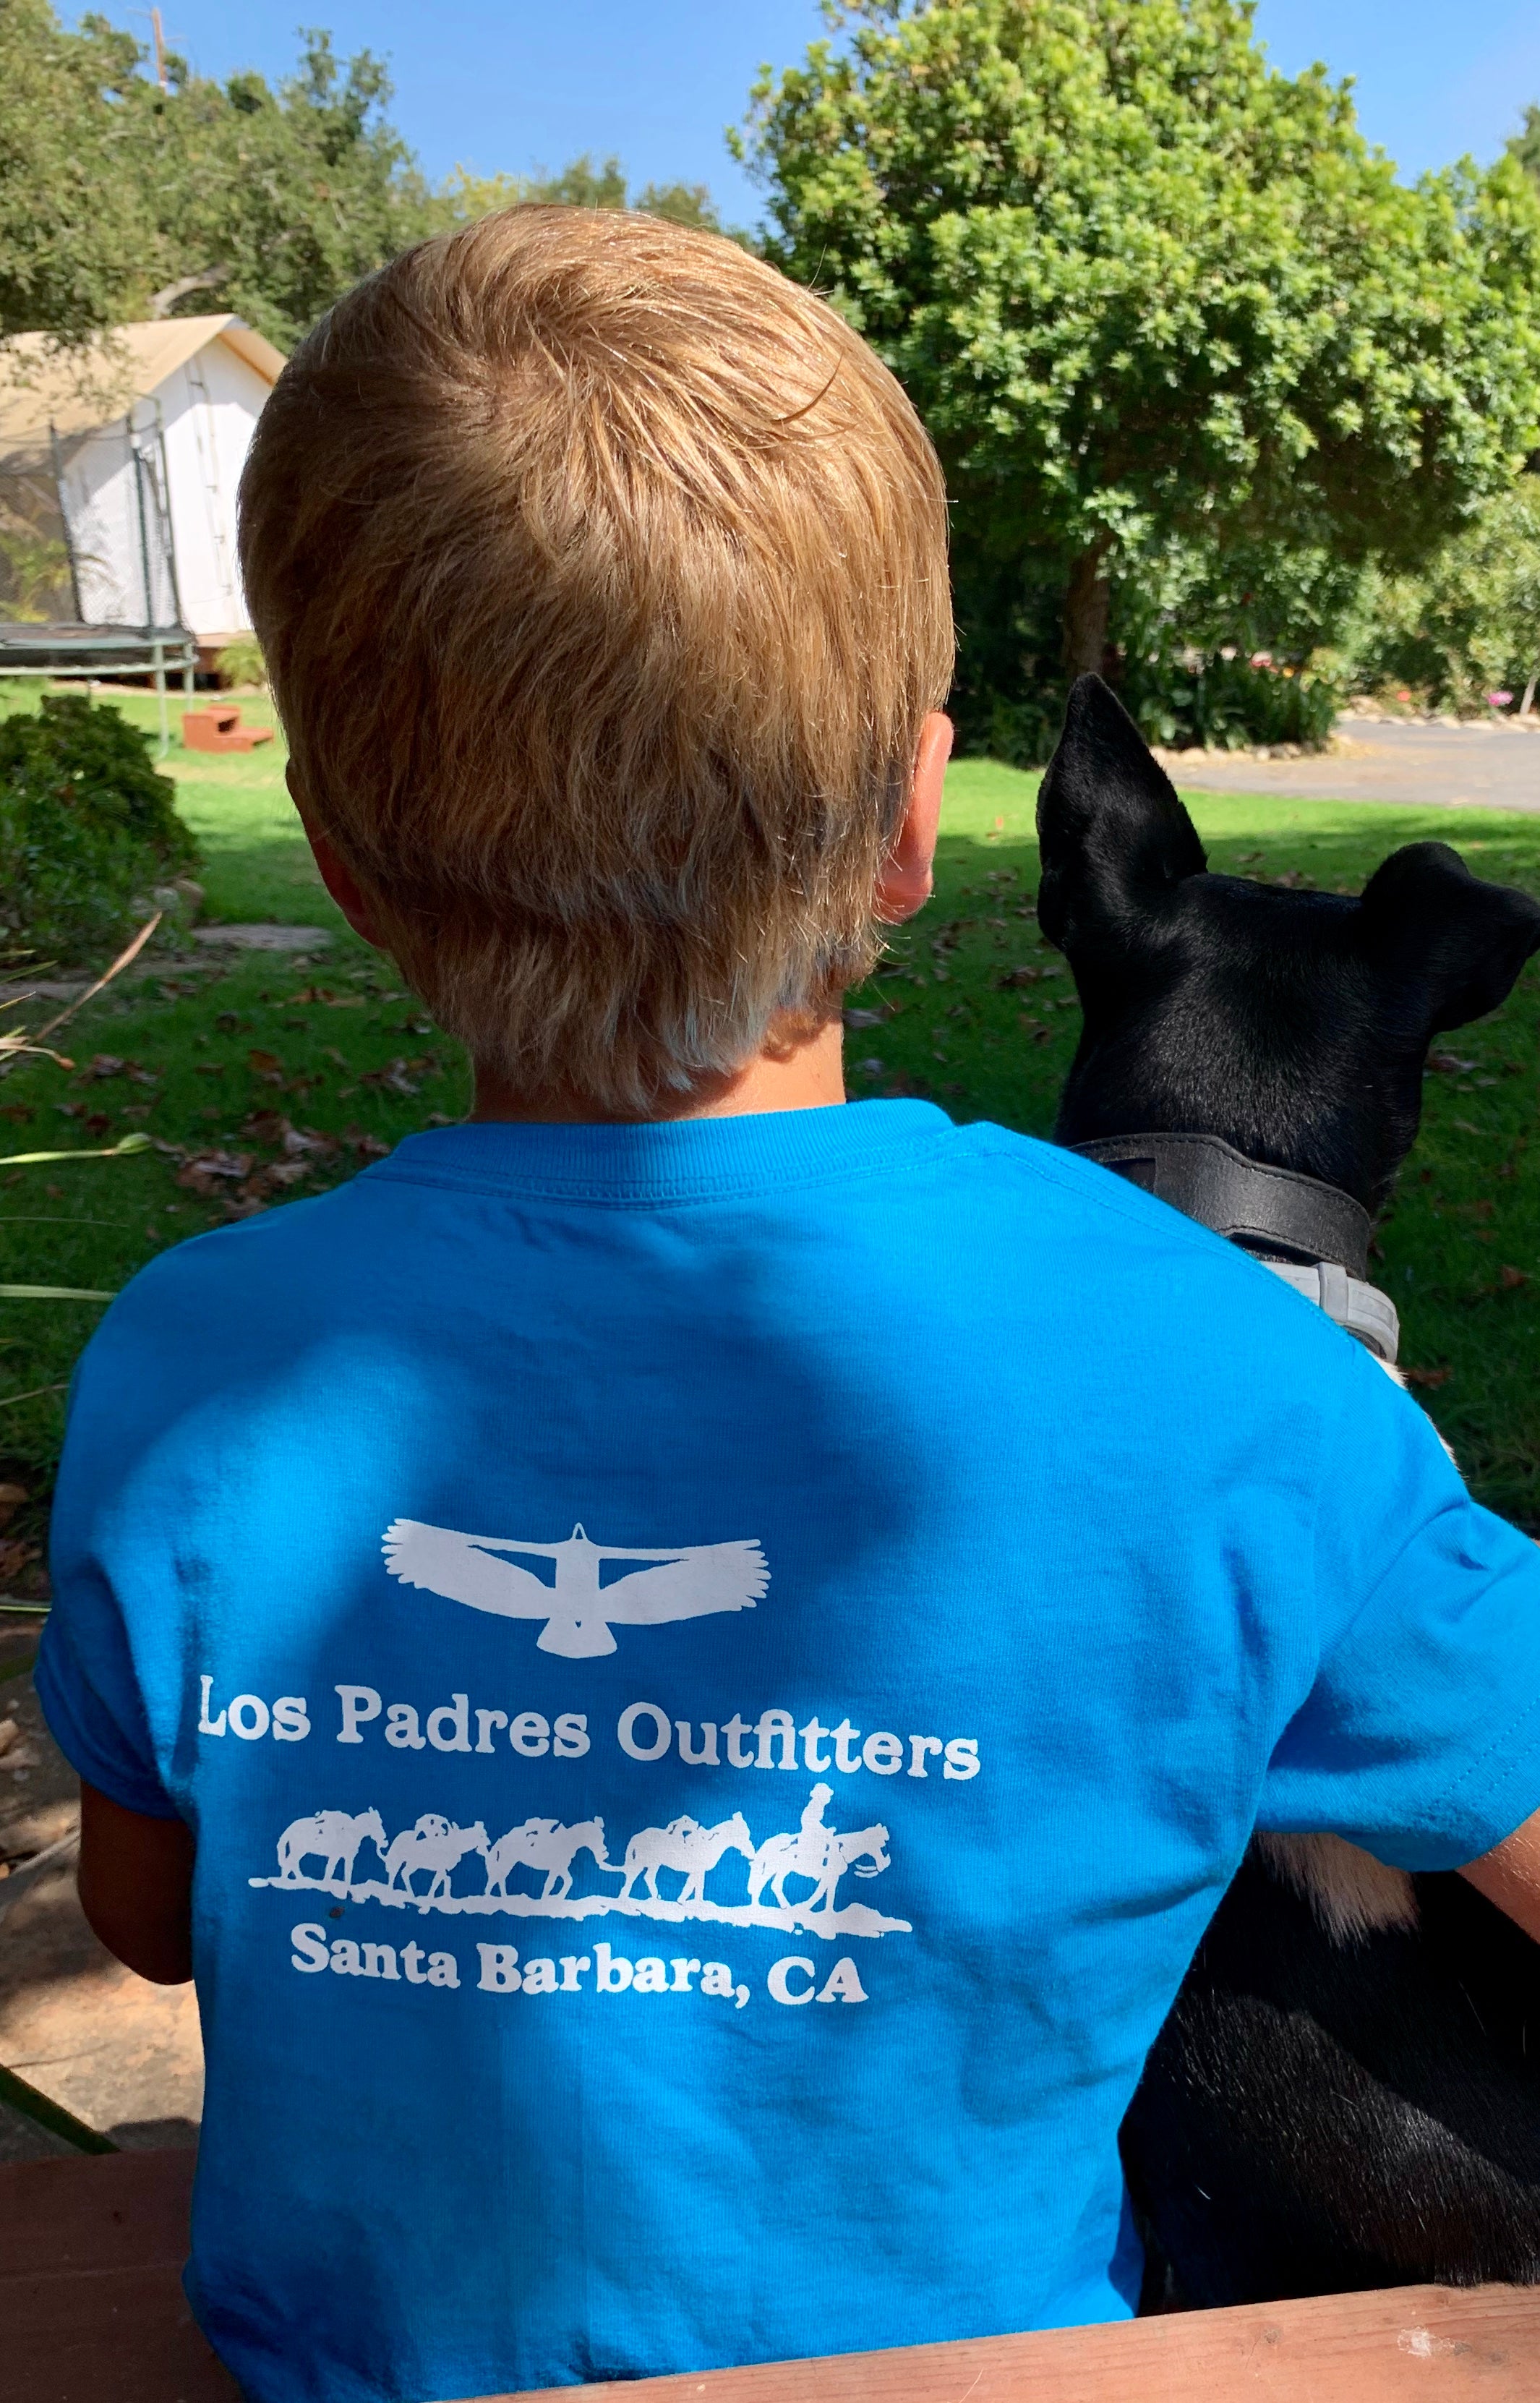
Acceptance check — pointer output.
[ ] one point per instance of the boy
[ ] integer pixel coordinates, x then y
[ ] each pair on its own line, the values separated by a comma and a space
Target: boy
685, 1665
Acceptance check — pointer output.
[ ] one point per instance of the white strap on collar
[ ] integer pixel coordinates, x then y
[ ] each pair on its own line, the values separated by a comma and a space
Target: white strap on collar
1362, 1309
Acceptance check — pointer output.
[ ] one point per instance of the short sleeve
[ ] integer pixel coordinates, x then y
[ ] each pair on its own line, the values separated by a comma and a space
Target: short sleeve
1420, 1737
91, 1698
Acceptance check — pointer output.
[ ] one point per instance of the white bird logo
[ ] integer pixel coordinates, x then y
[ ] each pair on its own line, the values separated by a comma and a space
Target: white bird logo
684, 1582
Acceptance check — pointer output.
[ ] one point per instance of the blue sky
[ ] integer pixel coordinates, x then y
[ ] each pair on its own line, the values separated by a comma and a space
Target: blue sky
514, 84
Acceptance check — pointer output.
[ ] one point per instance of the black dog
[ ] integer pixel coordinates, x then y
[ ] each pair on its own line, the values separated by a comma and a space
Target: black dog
1347, 2093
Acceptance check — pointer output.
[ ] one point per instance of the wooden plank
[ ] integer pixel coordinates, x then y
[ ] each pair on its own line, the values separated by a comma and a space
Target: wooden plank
92, 2310
1414, 2344
91, 2307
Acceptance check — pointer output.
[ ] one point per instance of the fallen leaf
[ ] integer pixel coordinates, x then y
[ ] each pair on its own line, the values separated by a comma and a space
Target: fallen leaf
1510, 1279
266, 1126
105, 1064
402, 1076
1446, 1064
863, 1017
1010, 980
266, 1065
20, 1113
207, 1170
1431, 1378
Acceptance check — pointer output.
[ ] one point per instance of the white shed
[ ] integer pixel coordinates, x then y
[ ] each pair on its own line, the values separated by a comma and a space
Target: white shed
118, 469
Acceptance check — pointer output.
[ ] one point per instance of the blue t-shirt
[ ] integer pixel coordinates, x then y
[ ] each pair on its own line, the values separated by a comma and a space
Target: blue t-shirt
719, 1672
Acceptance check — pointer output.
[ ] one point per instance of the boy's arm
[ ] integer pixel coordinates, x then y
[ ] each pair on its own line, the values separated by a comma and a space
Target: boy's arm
1510, 1876
135, 1884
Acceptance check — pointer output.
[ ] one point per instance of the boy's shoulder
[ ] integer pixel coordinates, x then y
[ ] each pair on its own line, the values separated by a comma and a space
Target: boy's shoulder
986, 1207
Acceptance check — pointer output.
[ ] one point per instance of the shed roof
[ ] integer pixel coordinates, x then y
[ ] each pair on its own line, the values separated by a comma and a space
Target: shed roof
73, 390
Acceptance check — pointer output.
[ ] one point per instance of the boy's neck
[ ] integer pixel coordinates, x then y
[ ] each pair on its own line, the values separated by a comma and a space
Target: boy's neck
807, 1074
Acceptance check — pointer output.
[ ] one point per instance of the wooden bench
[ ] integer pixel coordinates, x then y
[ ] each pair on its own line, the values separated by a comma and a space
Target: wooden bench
91, 2311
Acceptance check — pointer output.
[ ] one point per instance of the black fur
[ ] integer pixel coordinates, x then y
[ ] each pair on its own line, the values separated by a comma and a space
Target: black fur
1315, 2116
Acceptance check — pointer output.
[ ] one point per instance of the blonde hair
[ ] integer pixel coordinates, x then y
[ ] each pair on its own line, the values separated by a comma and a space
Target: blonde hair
601, 575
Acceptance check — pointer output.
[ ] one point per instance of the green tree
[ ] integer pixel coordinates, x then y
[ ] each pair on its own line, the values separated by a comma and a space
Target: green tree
72, 229
1469, 624
272, 202
119, 199
1145, 289
580, 184
1525, 144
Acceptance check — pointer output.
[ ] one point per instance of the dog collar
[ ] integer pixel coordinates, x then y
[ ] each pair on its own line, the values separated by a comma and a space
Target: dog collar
1312, 1235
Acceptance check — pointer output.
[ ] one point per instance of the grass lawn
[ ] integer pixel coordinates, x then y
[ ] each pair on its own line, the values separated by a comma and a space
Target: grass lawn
262, 1079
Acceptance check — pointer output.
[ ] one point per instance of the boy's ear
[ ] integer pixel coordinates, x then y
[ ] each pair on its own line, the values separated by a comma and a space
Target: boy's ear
907, 873
1112, 837
1428, 921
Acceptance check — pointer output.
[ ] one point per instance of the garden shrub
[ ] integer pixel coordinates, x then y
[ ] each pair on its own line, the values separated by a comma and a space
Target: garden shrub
87, 829
1226, 703
1469, 625
241, 661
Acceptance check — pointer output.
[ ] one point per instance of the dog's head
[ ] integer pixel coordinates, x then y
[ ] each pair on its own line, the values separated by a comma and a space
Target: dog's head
1295, 1025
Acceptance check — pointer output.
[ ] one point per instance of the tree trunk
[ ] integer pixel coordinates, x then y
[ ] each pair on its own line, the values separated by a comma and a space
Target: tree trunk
1086, 605
1527, 701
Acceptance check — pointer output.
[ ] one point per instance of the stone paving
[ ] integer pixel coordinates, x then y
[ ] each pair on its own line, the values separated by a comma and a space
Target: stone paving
1396, 760
120, 2054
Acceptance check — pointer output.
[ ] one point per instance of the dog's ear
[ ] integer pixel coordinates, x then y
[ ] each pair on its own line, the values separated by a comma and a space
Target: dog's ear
1113, 838
1433, 924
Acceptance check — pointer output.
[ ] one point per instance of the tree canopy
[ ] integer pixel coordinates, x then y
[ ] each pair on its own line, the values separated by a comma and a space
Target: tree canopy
582, 185
121, 201
1143, 287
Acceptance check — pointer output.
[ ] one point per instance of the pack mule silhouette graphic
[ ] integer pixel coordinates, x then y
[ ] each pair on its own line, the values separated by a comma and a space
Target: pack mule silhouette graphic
336, 1836
434, 1843
545, 1844
685, 1845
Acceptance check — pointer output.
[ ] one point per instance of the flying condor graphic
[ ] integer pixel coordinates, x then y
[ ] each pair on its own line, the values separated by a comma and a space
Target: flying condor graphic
687, 1581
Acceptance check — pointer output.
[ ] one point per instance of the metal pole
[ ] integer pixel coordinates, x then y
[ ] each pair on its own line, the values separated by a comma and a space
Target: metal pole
138, 457
65, 521
160, 656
